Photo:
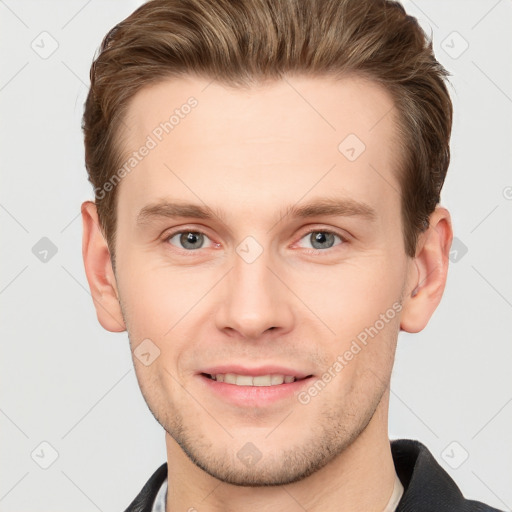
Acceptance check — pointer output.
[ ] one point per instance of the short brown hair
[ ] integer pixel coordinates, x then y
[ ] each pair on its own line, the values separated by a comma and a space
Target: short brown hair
242, 43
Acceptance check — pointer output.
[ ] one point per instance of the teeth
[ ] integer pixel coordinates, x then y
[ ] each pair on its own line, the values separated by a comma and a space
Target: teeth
277, 379
249, 380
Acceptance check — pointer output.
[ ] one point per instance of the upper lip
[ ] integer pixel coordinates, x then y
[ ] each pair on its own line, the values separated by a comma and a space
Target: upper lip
260, 370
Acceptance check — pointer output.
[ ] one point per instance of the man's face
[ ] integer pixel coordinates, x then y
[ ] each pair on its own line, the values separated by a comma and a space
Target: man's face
254, 290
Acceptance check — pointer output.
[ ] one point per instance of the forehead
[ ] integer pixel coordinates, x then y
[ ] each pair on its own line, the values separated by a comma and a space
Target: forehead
265, 146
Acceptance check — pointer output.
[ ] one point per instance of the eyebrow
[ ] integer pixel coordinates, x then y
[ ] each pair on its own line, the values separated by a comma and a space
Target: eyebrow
321, 207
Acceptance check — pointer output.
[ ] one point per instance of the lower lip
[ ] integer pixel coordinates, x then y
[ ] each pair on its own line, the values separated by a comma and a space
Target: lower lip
254, 396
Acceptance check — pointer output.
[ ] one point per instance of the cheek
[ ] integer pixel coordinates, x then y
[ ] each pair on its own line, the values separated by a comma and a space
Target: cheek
157, 296
160, 304
351, 295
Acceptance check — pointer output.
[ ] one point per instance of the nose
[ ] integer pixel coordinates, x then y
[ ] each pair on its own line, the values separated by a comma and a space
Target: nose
254, 298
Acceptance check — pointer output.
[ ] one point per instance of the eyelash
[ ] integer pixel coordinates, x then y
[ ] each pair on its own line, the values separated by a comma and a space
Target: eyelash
343, 239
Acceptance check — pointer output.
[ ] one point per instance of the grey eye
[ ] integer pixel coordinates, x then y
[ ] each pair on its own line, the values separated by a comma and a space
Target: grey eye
321, 239
189, 240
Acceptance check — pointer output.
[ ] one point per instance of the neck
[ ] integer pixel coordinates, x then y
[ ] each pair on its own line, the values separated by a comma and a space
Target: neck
359, 478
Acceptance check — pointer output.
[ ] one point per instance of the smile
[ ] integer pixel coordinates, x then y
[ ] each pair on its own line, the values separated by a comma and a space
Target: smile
253, 380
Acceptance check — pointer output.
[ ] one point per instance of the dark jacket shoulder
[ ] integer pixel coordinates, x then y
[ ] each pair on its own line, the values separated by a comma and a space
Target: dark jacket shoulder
144, 500
427, 486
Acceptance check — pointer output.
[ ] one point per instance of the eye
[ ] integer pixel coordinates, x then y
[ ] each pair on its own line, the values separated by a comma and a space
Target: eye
188, 240
322, 239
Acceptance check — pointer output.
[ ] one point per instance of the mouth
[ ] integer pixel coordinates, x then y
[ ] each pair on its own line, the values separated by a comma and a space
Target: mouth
253, 387
254, 380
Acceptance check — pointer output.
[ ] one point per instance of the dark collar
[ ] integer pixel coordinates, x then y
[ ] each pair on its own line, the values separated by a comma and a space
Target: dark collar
427, 486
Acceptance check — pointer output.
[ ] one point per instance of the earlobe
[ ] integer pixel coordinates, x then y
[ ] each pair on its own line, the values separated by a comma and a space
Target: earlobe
431, 262
98, 268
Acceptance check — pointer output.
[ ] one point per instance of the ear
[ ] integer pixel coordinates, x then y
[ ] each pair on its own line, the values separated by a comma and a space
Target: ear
98, 268
427, 272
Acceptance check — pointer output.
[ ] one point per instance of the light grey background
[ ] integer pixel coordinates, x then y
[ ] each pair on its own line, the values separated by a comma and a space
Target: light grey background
69, 383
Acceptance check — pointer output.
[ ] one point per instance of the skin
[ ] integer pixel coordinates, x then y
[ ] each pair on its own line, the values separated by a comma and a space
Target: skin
249, 154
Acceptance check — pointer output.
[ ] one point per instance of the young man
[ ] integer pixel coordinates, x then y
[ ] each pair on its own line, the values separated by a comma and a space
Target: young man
267, 178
